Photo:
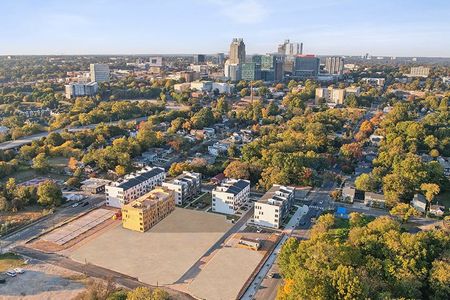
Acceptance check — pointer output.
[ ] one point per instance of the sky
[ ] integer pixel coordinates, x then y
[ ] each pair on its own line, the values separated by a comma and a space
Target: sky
326, 27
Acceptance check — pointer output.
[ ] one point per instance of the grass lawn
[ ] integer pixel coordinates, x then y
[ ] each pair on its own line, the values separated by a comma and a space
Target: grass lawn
27, 174
205, 198
10, 261
58, 162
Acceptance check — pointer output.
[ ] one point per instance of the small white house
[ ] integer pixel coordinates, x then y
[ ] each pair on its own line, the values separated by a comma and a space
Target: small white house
419, 202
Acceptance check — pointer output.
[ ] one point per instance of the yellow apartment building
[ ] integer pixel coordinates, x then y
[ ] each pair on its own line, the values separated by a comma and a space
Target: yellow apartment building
147, 210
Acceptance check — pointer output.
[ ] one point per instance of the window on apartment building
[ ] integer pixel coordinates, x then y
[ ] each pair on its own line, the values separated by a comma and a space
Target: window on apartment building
276, 215
276, 210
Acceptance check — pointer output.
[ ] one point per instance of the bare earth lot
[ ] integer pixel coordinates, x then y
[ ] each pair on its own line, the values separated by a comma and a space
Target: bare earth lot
162, 254
42, 281
225, 274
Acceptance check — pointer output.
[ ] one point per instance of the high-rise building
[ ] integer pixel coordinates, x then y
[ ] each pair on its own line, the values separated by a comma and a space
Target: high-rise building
271, 68
232, 71
99, 72
306, 66
251, 71
220, 58
237, 51
80, 89
334, 65
199, 59
256, 59
290, 49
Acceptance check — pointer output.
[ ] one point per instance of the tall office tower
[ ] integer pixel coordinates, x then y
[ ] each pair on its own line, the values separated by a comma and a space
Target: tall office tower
306, 66
220, 57
256, 59
334, 65
237, 51
199, 59
271, 68
251, 71
232, 71
289, 49
301, 48
99, 72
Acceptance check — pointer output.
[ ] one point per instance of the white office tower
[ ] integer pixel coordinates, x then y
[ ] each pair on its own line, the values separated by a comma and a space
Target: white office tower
99, 72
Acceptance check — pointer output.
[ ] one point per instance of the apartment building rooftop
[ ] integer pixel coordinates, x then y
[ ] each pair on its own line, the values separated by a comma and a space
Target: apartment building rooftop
185, 177
150, 199
276, 195
233, 186
141, 176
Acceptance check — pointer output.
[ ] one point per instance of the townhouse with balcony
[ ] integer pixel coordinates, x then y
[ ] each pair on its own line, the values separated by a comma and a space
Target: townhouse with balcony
133, 186
186, 186
274, 206
228, 197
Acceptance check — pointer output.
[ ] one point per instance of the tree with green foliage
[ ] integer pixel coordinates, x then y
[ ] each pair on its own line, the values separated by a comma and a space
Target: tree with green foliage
40, 163
49, 194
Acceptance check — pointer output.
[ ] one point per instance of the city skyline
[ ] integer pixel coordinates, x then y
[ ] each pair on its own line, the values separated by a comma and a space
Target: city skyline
404, 28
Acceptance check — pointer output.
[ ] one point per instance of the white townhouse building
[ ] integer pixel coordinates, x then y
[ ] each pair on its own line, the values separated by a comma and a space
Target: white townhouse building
228, 197
273, 206
133, 186
185, 186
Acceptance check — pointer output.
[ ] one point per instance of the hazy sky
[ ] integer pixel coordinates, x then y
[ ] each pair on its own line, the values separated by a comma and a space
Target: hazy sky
380, 27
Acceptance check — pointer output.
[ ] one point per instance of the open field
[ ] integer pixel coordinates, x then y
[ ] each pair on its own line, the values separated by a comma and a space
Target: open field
162, 254
25, 175
25, 216
42, 281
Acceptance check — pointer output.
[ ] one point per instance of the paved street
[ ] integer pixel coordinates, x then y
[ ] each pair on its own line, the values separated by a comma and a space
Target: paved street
254, 286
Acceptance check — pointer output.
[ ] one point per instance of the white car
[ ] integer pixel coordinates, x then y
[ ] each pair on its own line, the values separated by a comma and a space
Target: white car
19, 270
76, 204
11, 273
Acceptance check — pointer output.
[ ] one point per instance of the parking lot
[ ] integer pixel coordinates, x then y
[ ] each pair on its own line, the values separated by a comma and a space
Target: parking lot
162, 254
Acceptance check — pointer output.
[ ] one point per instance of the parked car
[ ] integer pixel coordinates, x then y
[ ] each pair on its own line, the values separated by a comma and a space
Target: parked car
85, 204
75, 204
19, 271
11, 273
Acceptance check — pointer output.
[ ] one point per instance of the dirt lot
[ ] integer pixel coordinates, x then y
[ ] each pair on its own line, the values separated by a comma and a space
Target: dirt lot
42, 281
225, 273
162, 254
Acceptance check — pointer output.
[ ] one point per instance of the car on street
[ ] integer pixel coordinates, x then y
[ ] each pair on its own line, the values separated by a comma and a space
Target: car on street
75, 204
85, 204
19, 270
